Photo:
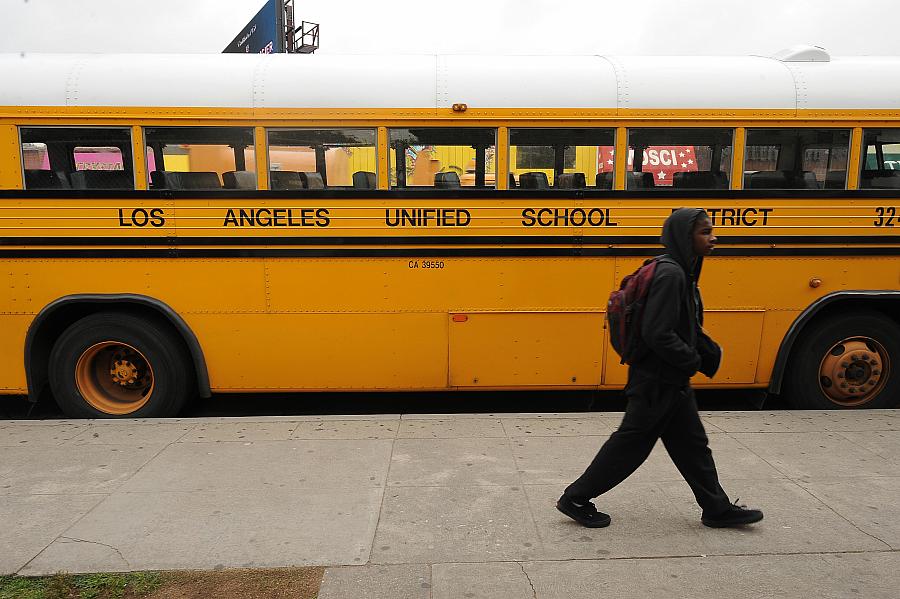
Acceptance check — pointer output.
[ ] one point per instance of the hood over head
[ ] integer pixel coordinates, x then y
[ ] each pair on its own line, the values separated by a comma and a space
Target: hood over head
677, 237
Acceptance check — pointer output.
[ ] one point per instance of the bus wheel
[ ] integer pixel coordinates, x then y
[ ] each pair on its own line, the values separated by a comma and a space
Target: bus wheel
847, 362
119, 365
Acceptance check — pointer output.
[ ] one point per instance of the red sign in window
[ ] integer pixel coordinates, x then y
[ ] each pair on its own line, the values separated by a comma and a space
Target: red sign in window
662, 161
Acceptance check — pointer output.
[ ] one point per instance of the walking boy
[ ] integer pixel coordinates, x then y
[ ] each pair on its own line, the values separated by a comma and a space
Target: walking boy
661, 403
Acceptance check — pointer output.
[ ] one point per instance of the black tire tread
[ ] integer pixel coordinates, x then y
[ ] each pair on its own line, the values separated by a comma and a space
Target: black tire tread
801, 380
173, 370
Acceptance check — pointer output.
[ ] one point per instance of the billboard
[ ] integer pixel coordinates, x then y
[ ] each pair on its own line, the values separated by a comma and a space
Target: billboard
264, 34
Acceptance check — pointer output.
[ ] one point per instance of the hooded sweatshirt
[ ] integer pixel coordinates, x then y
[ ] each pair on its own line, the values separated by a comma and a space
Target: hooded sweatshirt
673, 313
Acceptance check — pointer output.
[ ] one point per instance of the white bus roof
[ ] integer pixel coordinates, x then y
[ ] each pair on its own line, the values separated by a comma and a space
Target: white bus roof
416, 81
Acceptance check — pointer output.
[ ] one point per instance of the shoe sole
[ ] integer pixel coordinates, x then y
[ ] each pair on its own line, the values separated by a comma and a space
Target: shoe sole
586, 523
731, 523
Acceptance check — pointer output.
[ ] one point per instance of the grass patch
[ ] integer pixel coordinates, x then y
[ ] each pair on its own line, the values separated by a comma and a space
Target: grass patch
13, 587
278, 583
127, 585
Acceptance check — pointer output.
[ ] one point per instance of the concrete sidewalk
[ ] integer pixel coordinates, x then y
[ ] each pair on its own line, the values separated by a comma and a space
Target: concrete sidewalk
457, 505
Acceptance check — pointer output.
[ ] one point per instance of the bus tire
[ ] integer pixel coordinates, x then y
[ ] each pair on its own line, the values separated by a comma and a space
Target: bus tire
844, 362
117, 365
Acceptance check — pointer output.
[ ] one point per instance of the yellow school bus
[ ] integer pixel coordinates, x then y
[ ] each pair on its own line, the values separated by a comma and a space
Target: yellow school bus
176, 226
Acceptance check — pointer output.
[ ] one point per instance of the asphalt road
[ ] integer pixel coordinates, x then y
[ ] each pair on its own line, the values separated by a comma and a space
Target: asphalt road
297, 404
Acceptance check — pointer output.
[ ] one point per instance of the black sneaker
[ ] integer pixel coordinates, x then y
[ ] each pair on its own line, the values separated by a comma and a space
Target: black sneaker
585, 513
735, 515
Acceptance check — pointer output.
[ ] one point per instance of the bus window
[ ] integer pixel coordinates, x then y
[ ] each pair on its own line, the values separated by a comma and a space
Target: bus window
796, 158
881, 159
322, 158
443, 158
561, 158
200, 157
76, 158
679, 158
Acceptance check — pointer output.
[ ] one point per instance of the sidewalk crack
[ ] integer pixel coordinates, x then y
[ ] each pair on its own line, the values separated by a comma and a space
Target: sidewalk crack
384, 491
528, 578
843, 435
113, 492
119, 553
842, 517
522, 486
813, 495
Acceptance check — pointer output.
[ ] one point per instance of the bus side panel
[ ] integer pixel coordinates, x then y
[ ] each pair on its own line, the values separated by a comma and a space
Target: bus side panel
738, 334
13, 328
614, 373
438, 284
774, 329
521, 349
529, 321
295, 352
186, 285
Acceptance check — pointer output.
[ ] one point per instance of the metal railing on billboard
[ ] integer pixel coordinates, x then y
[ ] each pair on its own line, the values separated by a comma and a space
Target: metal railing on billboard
306, 38
299, 40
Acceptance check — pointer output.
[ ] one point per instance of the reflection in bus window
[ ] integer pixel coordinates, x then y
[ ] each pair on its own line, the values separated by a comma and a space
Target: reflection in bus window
881, 159
200, 157
796, 158
679, 158
322, 158
445, 158
561, 158
76, 158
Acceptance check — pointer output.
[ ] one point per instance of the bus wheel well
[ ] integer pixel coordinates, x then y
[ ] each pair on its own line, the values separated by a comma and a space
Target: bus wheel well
889, 308
886, 304
49, 324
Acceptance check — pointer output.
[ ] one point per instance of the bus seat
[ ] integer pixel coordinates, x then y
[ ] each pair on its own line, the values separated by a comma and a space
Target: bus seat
836, 180
195, 180
722, 180
448, 180
781, 180
512, 181
809, 180
570, 181
880, 179
604, 180
45, 179
102, 180
364, 180
239, 180
157, 181
534, 180
285, 180
312, 180
185, 180
640, 180
766, 180
700, 180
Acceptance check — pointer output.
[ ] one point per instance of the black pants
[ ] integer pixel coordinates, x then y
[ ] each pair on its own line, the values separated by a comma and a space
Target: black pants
656, 411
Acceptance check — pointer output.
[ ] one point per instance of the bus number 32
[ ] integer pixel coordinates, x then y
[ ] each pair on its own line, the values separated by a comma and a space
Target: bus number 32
886, 216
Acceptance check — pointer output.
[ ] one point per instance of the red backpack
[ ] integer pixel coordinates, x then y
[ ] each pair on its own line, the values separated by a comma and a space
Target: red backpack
625, 311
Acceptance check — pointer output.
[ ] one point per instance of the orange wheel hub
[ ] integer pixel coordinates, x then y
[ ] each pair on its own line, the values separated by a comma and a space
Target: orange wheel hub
854, 371
114, 378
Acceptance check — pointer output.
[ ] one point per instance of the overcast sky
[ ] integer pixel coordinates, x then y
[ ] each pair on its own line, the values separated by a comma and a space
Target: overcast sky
673, 27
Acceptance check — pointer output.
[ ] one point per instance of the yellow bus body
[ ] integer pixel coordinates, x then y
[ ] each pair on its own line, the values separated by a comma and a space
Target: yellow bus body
493, 305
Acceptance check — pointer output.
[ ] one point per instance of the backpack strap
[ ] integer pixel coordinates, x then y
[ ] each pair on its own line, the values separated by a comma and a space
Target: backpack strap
664, 258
